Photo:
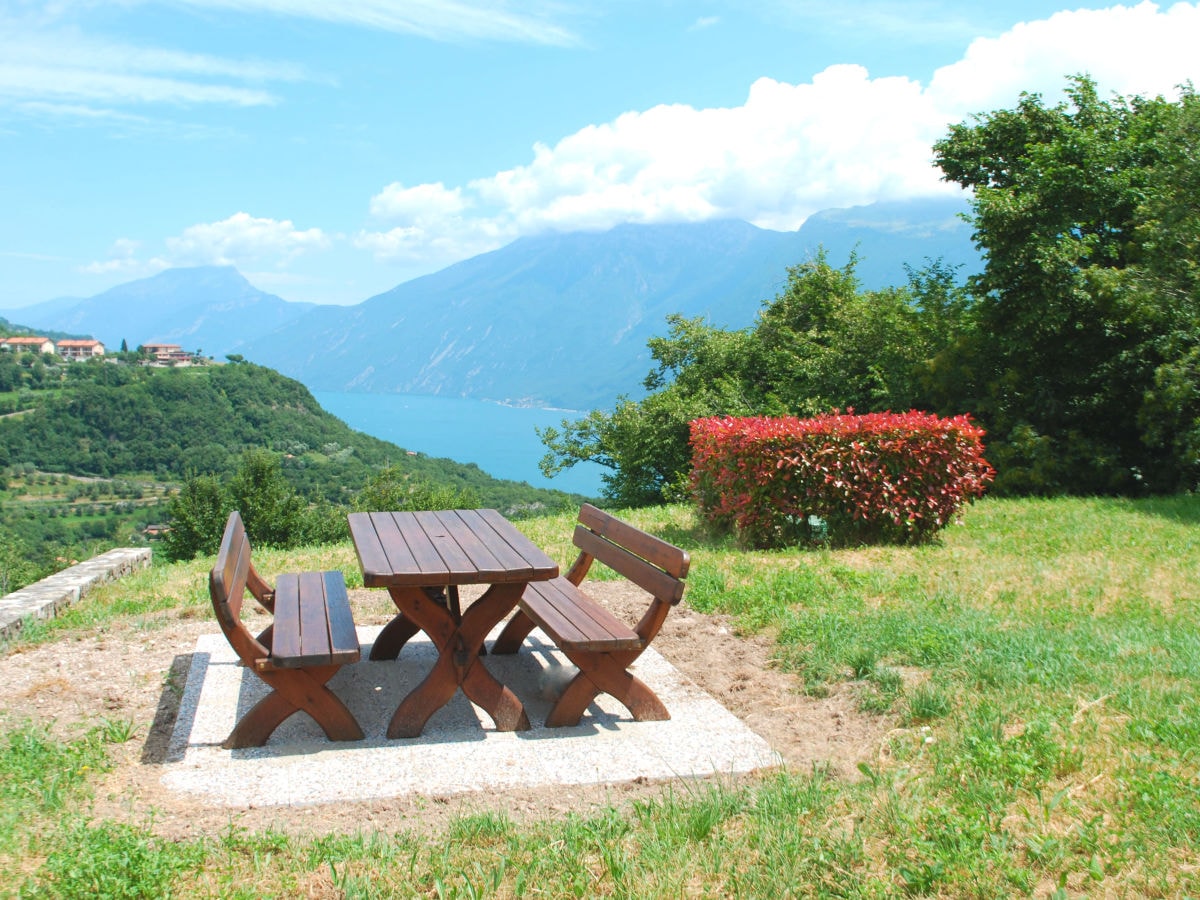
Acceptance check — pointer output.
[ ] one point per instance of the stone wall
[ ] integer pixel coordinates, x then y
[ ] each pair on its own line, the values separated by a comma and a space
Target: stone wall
45, 598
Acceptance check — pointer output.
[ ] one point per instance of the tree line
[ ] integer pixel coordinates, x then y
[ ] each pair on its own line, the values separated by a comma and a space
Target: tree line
1077, 347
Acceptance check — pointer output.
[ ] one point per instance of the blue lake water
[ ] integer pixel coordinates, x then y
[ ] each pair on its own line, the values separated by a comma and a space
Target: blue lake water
499, 439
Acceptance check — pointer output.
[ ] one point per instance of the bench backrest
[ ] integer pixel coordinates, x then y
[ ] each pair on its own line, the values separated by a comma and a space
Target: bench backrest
647, 561
228, 582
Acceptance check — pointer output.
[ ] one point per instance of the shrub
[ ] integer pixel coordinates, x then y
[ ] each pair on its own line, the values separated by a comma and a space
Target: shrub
841, 479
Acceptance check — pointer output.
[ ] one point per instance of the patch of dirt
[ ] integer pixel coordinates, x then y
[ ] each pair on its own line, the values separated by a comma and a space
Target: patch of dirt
138, 676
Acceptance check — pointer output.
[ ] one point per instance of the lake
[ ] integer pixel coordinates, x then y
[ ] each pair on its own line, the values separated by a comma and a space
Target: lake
499, 439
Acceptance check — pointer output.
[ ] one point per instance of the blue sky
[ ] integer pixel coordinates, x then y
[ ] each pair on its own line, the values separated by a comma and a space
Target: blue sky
331, 150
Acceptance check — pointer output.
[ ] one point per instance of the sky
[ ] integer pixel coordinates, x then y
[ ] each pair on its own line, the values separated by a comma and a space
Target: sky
332, 149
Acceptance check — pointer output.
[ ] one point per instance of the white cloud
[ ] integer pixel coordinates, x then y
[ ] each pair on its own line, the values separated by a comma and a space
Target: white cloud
416, 203
842, 139
123, 260
243, 239
56, 69
1140, 49
436, 19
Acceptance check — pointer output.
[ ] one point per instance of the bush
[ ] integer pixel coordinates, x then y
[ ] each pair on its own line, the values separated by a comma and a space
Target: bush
840, 479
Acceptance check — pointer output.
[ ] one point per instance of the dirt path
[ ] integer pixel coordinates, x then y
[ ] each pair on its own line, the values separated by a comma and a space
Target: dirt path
128, 675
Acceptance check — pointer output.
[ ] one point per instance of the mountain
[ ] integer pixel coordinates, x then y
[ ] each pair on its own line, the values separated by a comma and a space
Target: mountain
209, 308
563, 319
555, 320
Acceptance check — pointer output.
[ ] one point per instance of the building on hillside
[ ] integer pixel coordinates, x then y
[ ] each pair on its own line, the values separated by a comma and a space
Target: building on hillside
81, 349
167, 354
25, 344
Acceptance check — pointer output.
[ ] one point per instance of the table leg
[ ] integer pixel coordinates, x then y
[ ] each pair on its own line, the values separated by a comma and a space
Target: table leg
393, 637
480, 685
395, 634
458, 645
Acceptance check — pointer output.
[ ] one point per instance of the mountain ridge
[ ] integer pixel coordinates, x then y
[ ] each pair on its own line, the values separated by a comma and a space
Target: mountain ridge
555, 320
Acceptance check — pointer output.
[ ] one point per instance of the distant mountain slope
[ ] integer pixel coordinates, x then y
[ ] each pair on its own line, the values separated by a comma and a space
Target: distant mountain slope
209, 308
563, 320
556, 320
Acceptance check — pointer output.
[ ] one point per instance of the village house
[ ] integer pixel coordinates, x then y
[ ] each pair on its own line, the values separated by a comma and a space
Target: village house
27, 344
80, 349
167, 354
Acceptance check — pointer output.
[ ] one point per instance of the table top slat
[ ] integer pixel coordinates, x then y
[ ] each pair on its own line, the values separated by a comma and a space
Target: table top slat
427, 560
490, 554
372, 557
445, 547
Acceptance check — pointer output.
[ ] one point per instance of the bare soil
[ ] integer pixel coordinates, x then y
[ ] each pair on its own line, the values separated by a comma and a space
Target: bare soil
128, 675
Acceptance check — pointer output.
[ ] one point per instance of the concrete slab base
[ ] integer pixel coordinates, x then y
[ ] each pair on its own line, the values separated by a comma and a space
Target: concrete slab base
460, 749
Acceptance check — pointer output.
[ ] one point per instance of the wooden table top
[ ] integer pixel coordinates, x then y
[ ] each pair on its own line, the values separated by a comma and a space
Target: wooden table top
445, 547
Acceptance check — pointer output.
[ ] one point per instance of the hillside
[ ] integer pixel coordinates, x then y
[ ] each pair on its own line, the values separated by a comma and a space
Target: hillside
109, 421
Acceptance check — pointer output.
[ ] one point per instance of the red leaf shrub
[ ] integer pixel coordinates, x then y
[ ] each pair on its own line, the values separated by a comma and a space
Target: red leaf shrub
842, 479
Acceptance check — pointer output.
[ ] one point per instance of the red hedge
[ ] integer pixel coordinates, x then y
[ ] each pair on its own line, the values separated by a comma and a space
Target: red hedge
883, 477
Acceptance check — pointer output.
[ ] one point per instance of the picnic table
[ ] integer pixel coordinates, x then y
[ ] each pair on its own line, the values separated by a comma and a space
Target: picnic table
418, 556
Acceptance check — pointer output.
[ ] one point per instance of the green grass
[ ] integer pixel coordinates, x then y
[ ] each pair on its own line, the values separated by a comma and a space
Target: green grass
1039, 666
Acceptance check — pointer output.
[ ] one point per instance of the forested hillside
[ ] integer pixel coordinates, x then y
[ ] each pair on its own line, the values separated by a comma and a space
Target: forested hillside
94, 448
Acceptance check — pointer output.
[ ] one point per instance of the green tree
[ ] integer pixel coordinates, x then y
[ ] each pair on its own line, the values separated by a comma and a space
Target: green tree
395, 490
1064, 348
1168, 228
826, 343
270, 507
197, 517
822, 343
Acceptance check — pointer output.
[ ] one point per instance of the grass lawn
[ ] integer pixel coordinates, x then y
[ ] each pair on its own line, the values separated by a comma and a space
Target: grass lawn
1048, 744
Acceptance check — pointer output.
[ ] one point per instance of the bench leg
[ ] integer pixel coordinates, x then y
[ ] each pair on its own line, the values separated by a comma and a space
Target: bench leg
295, 690
604, 673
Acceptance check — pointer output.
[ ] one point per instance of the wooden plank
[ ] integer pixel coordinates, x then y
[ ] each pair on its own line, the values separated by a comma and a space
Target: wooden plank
314, 625
483, 547
540, 566
343, 637
572, 619
314, 620
368, 545
427, 566
285, 633
538, 604
654, 549
659, 583
443, 536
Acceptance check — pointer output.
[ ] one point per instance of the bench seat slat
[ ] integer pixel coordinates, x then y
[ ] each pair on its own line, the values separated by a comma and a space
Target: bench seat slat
574, 620
285, 633
343, 637
313, 622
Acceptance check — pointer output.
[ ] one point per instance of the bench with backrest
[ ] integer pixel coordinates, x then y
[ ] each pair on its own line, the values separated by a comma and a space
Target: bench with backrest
597, 642
312, 635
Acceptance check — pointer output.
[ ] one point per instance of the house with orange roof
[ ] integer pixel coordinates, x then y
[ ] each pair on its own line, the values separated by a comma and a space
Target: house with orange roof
27, 344
168, 354
80, 349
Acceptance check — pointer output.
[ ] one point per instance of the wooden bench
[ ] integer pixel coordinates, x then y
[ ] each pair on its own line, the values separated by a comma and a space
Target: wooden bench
597, 642
311, 637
